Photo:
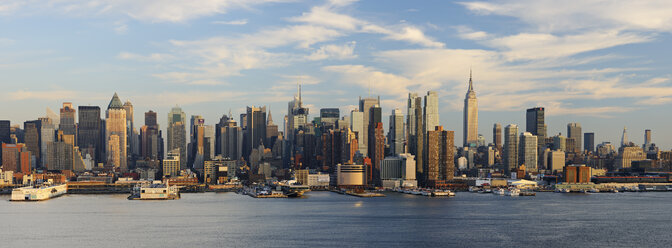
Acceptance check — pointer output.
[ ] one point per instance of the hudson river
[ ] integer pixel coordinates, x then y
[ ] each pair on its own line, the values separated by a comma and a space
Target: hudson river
325, 219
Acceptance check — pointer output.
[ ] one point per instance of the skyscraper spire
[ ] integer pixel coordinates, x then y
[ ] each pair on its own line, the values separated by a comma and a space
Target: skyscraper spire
300, 101
230, 117
624, 138
270, 118
471, 84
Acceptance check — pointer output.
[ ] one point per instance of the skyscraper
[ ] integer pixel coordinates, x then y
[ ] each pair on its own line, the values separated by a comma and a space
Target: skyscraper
116, 135
150, 138
497, 135
88, 133
470, 123
357, 126
411, 122
511, 147
535, 124
67, 124
132, 139
328, 117
647, 137
177, 134
431, 111
376, 144
396, 133
440, 163
271, 131
5, 132
528, 150
32, 138
419, 141
232, 140
297, 116
365, 106
574, 132
16, 158
47, 135
255, 129
589, 142
624, 138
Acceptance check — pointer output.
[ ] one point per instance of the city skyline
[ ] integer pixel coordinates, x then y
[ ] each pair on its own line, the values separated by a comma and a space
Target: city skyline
594, 69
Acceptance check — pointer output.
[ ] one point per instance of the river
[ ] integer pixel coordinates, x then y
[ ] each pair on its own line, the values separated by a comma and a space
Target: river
325, 219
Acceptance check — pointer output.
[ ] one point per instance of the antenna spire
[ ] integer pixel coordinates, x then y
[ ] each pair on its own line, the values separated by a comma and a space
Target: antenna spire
471, 84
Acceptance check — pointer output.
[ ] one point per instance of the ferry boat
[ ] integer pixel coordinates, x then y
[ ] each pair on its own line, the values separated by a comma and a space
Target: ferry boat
155, 191
38, 192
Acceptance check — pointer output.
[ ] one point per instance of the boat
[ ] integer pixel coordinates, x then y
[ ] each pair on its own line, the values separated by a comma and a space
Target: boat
594, 190
426, 193
564, 190
498, 191
38, 192
154, 191
512, 192
527, 193
293, 189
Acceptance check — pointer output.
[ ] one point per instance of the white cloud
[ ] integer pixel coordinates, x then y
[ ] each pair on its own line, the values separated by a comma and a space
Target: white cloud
553, 16
345, 51
327, 16
370, 78
146, 10
540, 45
234, 22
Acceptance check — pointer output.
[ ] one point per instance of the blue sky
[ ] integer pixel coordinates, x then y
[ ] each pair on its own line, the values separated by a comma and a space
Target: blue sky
602, 64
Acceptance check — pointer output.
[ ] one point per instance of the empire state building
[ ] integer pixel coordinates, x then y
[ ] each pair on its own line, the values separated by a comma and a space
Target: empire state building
470, 115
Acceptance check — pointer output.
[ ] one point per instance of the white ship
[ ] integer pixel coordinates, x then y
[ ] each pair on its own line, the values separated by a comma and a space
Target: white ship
155, 192
38, 192
512, 192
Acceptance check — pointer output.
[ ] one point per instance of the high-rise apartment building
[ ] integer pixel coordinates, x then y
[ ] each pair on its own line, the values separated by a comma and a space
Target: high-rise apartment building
16, 158
510, 148
116, 135
440, 163
470, 124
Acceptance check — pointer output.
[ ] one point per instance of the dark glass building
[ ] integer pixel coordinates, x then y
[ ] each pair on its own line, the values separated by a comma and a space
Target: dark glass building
89, 133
